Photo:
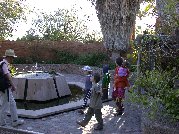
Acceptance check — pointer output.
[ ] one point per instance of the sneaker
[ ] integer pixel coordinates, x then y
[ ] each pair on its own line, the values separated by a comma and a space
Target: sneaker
119, 113
81, 111
17, 123
80, 123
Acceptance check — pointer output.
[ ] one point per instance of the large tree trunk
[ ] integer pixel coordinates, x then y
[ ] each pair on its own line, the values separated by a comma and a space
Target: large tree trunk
117, 19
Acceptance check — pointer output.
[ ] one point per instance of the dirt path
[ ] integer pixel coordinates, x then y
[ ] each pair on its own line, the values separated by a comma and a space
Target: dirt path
65, 123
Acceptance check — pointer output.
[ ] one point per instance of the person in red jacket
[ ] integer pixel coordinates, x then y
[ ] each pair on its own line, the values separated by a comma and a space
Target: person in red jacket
120, 84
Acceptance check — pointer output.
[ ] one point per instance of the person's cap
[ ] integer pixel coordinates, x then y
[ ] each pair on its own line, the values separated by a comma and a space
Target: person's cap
87, 68
10, 53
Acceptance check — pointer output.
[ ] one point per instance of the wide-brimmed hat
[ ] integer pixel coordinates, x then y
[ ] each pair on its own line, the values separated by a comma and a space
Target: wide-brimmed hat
10, 53
87, 68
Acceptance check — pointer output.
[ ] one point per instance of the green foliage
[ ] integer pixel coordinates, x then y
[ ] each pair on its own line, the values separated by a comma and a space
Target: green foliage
92, 38
95, 59
11, 11
65, 57
61, 25
132, 57
19, 60
91, 59
169, 16
30, 36
156, 52
149, 9
155, 91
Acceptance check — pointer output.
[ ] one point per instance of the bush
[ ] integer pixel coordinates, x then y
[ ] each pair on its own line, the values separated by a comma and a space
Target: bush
157, 51
65, 57
92, 59
22, 60
156, 93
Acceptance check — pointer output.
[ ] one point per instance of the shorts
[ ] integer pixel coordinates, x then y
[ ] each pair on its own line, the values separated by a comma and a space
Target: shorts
118, 93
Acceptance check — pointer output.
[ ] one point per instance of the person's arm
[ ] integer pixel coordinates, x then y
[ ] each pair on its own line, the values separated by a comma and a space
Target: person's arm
98, 89
9, 78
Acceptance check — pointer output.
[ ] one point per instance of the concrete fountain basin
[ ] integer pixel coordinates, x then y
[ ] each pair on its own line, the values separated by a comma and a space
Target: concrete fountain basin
39, 86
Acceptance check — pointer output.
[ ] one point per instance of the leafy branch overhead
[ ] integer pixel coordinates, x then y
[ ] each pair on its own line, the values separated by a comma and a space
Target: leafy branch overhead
10, 12
60, 25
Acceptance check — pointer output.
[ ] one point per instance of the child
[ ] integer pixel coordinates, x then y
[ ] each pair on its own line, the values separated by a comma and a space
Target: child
120, 83
95, 104
105, 82
88, 84
123, 72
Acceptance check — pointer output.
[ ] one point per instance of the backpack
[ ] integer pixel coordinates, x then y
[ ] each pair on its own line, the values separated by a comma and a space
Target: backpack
4, 83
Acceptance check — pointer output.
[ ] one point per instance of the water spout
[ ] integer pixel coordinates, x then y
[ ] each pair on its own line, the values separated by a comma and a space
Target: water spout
36, 67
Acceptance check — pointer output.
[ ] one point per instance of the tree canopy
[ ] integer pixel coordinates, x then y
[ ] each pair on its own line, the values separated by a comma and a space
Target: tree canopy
10, 12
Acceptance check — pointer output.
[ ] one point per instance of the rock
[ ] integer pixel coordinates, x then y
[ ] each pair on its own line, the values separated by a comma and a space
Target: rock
41, 89
20, 84
62, 86
29, 128
44, 119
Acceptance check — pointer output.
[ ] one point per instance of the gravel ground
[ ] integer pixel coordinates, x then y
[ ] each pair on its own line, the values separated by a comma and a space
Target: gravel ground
128, 123
65, 123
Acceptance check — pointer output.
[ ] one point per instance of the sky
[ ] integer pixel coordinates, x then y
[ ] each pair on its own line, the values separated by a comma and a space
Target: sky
52, 5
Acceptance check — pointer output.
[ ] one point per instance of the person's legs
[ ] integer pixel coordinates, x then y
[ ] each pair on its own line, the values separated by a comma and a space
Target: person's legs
120, 92
119, 106
98, 116
3, 108
105, 93
13, 108
87, 96
13, 111
87, 117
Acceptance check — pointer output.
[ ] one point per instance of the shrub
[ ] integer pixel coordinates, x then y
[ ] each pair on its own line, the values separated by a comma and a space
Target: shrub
22, 60
65, 57
155, 92
92, 59
157, 51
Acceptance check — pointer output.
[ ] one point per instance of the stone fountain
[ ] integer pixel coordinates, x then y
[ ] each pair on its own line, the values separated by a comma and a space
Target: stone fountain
40, 86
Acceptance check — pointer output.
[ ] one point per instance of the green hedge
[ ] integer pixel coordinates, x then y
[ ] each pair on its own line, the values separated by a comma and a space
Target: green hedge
64, 57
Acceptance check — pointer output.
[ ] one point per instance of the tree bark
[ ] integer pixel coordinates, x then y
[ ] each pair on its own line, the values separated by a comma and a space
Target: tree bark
117, 19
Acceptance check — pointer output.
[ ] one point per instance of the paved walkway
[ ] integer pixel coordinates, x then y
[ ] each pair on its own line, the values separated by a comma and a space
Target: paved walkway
65, 123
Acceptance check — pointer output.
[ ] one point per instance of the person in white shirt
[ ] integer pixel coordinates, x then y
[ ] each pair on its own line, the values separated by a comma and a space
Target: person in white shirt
7, 99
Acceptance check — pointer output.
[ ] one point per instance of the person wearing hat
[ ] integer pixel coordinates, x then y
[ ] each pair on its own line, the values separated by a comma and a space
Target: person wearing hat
88, 85
7, 87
